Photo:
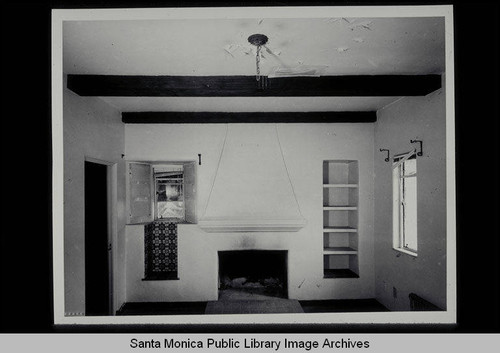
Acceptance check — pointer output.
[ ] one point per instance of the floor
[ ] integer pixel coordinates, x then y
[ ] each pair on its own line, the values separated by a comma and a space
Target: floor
162, 308
342, 306
272, 306
247, 294
238, 302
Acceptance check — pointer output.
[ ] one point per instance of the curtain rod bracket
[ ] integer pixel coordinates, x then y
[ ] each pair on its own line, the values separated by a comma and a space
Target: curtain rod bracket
388, 154
421, 152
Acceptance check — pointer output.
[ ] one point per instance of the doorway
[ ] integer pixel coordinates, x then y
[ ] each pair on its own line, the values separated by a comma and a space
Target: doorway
97, 241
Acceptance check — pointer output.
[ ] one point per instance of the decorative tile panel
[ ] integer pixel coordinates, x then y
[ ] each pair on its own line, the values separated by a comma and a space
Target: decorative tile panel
160, 247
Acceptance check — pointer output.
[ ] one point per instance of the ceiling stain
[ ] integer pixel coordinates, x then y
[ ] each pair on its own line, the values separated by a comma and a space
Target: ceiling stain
273, 52
332, 20
229, 49
342, 49
362, 25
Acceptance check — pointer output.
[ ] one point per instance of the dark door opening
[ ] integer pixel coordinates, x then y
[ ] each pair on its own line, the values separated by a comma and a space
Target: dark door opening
252, 274
97, 289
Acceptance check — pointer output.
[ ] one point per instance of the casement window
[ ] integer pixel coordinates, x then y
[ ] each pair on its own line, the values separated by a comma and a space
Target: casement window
404, 177
161, 191
169, 192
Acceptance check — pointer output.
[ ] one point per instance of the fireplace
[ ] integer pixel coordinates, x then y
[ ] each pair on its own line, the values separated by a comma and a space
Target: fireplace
252, 274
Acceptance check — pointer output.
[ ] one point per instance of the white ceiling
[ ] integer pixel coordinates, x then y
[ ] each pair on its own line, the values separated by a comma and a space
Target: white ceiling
342, 46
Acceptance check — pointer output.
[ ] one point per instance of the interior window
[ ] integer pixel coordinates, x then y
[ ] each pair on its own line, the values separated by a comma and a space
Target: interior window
161, 191
169, 192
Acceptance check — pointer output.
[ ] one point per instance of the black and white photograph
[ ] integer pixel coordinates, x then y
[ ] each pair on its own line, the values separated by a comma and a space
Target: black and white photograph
264, 177
254, 165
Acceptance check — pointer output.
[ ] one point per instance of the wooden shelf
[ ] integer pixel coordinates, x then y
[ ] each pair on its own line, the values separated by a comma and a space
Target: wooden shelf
339, 273
340, 208
340, 185
339, 250
339, 230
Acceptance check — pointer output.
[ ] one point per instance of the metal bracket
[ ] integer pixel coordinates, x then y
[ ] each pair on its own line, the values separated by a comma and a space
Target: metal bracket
387, 159
421, 152
199, 158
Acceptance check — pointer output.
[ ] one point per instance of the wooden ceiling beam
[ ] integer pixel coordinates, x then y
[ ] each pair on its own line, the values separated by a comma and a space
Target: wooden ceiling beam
247, 117
247, 86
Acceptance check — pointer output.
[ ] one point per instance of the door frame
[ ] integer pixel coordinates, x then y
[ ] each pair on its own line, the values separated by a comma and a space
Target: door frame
111, 196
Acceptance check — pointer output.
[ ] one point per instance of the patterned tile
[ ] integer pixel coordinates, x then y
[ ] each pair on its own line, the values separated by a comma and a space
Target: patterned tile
160, 246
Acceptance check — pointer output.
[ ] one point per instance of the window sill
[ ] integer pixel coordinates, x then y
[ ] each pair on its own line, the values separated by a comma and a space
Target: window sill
413, 254
158, 220
170, 220
339, 273
162, 277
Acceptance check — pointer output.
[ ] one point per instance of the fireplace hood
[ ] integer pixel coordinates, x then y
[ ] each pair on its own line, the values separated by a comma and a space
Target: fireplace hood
252, 190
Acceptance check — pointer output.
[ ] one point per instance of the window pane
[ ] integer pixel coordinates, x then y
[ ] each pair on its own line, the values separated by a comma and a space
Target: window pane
169, 195
171, 209
410, 211
395, 208
405, 205
410, 167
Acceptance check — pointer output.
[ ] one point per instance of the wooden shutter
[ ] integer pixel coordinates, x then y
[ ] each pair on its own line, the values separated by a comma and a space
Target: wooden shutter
190, 192
140, 203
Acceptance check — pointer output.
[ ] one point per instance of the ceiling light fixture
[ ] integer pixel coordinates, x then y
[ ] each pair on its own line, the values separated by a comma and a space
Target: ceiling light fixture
258, 40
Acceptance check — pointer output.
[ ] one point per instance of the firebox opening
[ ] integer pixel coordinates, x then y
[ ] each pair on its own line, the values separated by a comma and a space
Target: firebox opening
252, 274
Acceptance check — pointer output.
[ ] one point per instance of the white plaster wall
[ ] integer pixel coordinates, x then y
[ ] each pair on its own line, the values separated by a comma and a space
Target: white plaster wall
305, 146
93, 129
420, 118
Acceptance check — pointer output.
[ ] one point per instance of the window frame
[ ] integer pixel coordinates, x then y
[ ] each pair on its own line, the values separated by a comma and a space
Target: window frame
141, 189
155, 199
399, 202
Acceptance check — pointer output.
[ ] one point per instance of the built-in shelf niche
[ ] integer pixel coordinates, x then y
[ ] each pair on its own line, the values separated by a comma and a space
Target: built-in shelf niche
340, 219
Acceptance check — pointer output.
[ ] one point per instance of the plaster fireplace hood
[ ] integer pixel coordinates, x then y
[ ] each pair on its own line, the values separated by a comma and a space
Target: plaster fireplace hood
252, 190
